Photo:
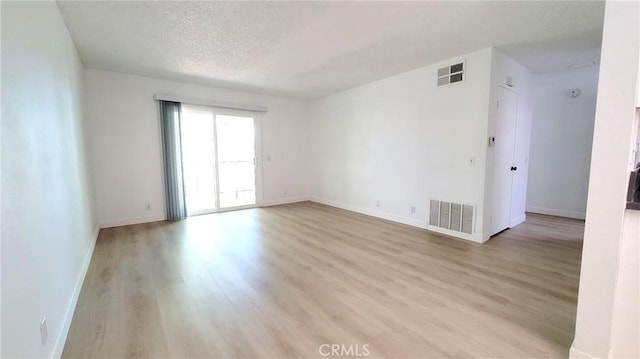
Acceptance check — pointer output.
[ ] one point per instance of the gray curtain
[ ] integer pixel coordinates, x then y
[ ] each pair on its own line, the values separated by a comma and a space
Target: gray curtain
174, 184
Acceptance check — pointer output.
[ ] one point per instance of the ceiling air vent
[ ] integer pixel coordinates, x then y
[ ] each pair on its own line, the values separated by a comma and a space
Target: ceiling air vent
451, 74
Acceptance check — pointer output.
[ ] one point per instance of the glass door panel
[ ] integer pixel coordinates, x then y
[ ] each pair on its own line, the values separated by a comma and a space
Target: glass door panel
236, 161
198, 158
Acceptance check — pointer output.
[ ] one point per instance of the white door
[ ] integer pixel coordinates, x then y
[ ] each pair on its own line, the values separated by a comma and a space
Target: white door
504, 149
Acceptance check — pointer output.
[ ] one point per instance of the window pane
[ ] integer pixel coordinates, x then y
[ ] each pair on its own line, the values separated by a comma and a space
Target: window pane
198, 157
236, 152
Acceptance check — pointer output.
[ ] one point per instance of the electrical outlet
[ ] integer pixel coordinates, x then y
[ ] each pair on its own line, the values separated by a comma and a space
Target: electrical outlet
147, 206
413, 209
43, 331
378, 203
286, 192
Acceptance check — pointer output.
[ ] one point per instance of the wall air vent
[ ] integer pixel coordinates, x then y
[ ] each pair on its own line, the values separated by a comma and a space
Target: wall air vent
451, 74
452, 216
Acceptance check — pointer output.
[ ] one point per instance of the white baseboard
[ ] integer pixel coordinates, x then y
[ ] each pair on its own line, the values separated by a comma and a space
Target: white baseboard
556, 212
476, 237
374, 213
129, 221
517, 221
156, 217
58, 346
276, 202
579, 354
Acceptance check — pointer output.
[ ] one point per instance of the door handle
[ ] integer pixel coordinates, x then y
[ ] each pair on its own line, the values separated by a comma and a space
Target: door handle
513, 168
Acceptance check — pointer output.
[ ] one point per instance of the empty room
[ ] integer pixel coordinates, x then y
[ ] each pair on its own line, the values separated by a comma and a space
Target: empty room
435, 179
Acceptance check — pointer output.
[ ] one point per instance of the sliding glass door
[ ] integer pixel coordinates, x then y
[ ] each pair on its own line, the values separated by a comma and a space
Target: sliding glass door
236, 161
197, 131
219, 159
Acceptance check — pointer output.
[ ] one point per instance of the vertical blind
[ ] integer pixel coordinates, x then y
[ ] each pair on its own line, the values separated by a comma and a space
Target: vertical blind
174, 183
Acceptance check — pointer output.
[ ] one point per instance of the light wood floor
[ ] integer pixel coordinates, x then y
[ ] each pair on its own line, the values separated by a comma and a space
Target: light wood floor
281, 281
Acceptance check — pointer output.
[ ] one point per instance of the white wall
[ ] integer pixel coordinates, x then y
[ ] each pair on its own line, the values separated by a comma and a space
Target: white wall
126, 146
403, 140
48, 226
625, 331
561, 141
503, 66
607, 321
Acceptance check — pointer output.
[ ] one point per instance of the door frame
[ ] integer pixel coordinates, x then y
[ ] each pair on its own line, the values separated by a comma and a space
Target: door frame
495, 169
257, 153
257, 134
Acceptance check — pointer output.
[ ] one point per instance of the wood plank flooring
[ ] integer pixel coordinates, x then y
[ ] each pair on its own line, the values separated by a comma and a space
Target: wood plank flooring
281, 281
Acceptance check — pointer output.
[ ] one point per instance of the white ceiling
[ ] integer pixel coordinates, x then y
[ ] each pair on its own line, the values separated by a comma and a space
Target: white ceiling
311, 49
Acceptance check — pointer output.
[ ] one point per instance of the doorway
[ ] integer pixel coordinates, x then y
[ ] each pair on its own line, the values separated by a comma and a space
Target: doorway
506, 115
219, 159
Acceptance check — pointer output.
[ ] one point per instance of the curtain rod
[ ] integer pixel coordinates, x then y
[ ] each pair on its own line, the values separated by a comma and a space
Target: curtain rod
201, 102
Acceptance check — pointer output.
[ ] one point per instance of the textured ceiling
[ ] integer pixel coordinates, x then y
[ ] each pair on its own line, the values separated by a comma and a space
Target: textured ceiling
311, 49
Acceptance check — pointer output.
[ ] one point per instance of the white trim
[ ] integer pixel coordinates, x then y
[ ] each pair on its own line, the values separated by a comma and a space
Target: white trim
201, 212
287, 200
257, 155
556, 212
58, 346
257, 158
518, 220
476, 237
390, 217
132, 220
204, 212
211, 103
579, 354
216, 167
234, 208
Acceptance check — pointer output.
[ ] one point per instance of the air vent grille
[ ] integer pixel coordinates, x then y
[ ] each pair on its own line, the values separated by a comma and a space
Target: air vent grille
456, 217
451, 74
